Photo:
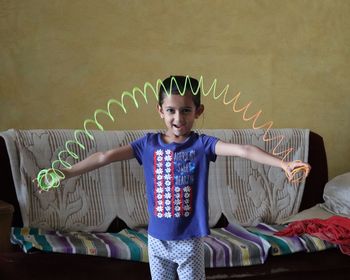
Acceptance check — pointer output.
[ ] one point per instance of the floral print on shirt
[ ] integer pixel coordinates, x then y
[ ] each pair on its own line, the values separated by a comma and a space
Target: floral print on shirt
173, 181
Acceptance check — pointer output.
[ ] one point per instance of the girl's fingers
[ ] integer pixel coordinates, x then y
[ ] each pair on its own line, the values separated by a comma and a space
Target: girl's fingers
297, 171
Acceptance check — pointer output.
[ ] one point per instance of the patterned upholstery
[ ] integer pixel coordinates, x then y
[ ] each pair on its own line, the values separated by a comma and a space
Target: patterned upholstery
244, 191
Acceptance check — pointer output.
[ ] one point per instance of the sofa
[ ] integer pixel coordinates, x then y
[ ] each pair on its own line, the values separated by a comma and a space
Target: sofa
242, 194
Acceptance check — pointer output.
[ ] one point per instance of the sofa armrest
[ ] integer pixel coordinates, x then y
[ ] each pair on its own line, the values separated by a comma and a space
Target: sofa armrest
318, 177
6, 213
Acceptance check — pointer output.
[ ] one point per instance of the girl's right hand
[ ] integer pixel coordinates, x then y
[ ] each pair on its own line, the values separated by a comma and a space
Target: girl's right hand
48, 179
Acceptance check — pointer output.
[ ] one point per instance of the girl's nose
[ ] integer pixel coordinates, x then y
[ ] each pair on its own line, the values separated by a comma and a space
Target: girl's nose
178, 116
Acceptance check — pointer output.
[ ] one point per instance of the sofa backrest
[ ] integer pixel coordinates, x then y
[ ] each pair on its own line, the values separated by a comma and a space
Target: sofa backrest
242, 191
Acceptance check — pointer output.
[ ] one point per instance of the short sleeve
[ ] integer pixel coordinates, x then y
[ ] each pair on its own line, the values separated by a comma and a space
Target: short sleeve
138, 147
209, 143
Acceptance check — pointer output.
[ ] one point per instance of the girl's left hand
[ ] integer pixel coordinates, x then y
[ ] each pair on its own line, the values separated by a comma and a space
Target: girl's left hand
296, 171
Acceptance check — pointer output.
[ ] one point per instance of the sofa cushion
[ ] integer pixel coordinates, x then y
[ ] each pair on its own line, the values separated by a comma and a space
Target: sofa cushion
315, 212
232, 246
224, 247
252, 193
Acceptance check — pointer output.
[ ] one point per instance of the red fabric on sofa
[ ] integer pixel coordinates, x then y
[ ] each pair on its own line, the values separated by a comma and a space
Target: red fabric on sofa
335, 229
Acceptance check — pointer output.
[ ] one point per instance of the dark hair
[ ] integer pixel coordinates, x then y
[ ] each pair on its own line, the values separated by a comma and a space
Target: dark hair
180, 85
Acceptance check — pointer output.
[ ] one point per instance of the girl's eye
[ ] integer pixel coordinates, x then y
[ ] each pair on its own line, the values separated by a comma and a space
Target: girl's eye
170, 110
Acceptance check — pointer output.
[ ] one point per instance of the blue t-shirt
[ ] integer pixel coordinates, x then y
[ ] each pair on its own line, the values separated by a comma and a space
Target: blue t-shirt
176, 184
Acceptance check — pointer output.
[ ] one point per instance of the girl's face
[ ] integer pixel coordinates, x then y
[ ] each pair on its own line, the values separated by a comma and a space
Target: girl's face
179, 114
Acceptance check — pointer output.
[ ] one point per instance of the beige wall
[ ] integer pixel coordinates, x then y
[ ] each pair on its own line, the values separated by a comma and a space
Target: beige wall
61, 60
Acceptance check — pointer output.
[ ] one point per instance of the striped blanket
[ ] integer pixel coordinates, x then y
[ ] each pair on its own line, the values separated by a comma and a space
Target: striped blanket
126, 244
234, 246
225, 247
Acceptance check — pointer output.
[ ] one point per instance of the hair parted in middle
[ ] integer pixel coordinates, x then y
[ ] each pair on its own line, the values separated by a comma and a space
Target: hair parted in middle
180, 85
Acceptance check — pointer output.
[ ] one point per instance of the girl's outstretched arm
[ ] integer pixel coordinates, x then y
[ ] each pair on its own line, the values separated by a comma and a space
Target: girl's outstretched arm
50, 178
98, 160
256, 154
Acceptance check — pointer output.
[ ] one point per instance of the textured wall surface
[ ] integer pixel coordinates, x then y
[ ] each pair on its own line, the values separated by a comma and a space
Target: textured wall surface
61, 60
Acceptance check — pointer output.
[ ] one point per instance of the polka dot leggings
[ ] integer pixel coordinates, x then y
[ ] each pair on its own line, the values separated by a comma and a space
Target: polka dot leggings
184, 258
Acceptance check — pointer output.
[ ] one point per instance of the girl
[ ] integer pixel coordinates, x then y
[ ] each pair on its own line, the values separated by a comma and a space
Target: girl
176, 172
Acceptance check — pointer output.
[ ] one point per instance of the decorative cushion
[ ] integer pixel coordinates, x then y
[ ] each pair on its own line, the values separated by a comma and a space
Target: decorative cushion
337, 195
